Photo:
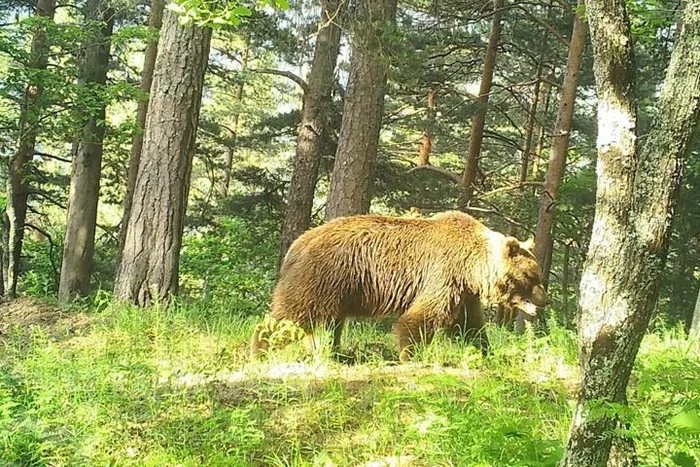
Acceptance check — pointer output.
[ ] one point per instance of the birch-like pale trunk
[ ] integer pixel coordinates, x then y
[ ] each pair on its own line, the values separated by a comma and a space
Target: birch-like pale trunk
635, 201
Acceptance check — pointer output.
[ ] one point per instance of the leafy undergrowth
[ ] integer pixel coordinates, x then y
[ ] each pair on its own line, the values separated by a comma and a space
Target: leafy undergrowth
176, 387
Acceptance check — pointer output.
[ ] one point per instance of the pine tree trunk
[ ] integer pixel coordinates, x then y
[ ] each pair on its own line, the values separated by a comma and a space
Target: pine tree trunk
530, 128
479, 118
353, 171
313, 128
79, 241
228, 165
18, 183
635, 201
149, 267
155, 21
426, 143
560, 145
547, 91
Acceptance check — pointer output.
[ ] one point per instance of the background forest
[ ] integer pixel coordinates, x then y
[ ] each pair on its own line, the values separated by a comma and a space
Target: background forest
487, 107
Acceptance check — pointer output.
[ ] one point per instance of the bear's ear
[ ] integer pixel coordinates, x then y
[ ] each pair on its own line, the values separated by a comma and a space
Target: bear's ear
528, 245
512, 247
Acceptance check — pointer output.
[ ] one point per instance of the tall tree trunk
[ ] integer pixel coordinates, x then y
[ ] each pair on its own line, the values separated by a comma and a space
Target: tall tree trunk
479, 118
18, 183
223, 189
530, 128
560, 145
529, 155
353, 171
547, 91
149, 267
313, 127
79, 242
635, 201
426, 142
155, 21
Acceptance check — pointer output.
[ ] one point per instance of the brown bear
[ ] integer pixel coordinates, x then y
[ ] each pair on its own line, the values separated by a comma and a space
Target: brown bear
433, 273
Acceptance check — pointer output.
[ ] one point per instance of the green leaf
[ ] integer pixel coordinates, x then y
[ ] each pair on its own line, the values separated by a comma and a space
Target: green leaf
242, 11
687, 422
683, 459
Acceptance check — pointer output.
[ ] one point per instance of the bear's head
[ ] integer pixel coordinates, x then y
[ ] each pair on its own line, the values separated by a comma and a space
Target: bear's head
521, 286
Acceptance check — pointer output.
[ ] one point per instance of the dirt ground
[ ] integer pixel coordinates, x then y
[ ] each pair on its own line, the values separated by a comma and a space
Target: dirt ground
27, 312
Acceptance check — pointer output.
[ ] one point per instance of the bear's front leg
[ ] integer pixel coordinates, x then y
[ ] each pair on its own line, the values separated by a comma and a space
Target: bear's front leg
469, 324
418, 324
475, 331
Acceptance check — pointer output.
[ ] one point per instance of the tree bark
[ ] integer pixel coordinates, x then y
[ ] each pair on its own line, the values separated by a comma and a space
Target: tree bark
18, 185
223, 189
635, 201
547, 91
155, 21
313, 129
530, 128
560, 145
149, 268
81, 218
479, 118
426, 142
353, 171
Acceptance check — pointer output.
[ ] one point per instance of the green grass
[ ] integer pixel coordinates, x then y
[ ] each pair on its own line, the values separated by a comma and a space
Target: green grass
175, 387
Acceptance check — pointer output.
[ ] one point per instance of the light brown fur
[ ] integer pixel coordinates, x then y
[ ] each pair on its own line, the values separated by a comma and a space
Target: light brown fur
433, 273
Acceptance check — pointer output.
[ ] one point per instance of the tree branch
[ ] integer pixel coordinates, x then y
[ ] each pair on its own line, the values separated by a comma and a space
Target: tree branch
546, 25
287, 74
508, 188
444, 172
51, 156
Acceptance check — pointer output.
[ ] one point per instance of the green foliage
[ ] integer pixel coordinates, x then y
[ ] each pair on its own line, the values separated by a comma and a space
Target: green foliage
41, 265
216, 13
232, 263
687, 422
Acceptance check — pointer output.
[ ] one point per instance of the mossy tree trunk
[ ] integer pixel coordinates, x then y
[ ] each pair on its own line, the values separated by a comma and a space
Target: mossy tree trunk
81, 218
148, 269
31, 110
635, 200
313, 128
353, 171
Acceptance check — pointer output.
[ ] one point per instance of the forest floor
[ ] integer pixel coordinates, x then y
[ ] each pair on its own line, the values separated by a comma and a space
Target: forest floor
114, 385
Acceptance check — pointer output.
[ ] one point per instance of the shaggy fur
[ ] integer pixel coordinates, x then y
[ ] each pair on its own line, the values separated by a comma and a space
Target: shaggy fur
433, 273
